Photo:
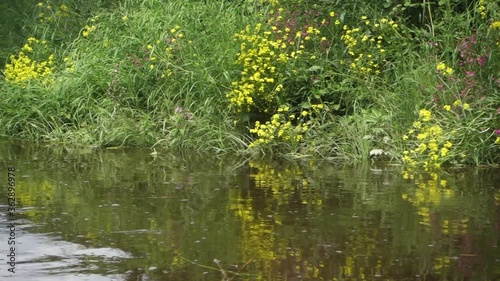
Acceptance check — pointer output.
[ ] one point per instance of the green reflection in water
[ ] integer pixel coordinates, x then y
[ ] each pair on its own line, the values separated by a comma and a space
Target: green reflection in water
262, 220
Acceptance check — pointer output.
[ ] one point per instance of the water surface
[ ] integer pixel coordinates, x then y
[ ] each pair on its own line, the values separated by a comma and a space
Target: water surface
122, 214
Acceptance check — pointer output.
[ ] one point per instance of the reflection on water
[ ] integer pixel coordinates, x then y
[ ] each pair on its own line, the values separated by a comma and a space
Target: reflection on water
95, 214
44, 256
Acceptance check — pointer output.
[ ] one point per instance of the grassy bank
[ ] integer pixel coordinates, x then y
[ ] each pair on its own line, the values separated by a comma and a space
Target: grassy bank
412, 81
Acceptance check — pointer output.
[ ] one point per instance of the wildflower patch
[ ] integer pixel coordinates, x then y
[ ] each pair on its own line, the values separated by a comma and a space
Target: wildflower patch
427, 145
33, 62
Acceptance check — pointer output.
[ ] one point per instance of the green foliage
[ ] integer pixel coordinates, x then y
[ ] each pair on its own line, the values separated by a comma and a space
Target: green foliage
121, 79
299, 78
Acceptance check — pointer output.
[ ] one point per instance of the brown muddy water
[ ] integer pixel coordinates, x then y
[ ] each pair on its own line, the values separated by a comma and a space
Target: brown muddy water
122, 214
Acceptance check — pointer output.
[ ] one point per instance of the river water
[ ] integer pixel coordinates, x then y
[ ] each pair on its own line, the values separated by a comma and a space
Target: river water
122, 214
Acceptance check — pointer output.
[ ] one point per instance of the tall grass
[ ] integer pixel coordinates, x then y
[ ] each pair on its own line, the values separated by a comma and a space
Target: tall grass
108, 93
163, 74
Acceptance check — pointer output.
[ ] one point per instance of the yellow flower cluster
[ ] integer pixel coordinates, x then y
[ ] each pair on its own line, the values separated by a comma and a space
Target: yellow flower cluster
23, 67
365, 45
456, 104
176, 34
48, 12
279, 127
272, 2
428, 146
261, 56
159, 60
495, 25
317, 107
87, 30
482, 8
267, 52
442, 68
295, 34
70, 64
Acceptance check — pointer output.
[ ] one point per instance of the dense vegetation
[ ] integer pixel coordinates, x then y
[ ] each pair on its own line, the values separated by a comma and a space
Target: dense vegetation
412, 80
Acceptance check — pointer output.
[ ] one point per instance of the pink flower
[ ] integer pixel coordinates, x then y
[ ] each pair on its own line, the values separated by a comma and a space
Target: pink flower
481, 60
473, 39
463, 92
497, 132
498, 110
470, 73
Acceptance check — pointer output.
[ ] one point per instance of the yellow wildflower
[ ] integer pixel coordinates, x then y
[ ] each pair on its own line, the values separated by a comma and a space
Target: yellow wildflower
443, 183
422, 147
422, 136
425, 115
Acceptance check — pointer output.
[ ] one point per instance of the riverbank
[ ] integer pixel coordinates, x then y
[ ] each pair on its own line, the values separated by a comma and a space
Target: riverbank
416, 83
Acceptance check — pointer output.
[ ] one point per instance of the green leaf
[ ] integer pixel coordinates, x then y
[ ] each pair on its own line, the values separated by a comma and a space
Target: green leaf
342, 16
314, 68
305, 105
318, 93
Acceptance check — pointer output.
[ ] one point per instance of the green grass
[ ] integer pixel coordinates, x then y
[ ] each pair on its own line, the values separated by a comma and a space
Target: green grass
122, 76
